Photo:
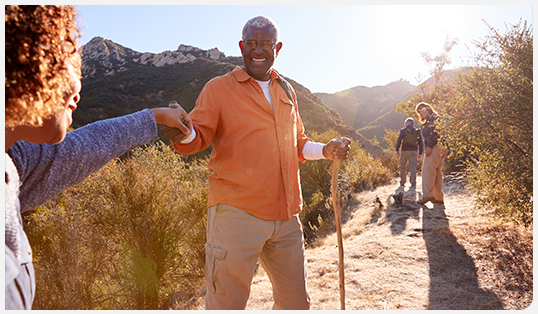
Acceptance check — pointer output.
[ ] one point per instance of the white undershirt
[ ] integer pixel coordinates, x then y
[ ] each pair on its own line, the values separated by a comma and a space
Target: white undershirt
266, 91
311, 150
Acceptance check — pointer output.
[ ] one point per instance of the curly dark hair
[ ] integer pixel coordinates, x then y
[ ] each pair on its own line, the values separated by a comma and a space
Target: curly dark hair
41, 42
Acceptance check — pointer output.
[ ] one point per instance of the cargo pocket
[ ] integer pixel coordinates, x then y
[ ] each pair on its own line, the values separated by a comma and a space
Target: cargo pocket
215, 269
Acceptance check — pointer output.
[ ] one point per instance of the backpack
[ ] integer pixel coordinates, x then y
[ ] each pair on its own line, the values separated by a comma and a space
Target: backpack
411, 138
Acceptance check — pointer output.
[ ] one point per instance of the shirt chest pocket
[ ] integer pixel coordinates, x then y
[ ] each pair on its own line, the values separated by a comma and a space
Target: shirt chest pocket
286, 120
286, 111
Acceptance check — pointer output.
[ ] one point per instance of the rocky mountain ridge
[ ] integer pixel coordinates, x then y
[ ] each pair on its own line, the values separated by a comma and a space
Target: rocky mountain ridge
113, 57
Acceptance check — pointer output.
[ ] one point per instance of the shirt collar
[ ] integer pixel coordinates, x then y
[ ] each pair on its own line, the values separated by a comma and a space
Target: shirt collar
242, 76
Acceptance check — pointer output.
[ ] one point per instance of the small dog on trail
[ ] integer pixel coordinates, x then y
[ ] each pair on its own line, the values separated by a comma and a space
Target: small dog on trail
398, 198
378, 202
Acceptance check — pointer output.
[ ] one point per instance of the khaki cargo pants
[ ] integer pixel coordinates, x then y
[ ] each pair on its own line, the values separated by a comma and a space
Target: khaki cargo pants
235, 240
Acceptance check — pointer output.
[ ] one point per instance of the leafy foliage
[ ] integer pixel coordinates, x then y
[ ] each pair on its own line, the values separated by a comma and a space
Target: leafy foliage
491, 120
487, 121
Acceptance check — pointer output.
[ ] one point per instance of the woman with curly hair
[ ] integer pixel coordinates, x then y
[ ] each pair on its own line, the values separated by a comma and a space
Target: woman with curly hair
42, 91
432, 177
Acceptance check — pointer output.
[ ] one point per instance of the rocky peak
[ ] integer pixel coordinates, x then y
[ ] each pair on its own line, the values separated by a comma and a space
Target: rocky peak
105, 56
99, 48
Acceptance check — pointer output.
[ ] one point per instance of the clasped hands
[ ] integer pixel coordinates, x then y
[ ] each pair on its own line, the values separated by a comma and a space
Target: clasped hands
174, 122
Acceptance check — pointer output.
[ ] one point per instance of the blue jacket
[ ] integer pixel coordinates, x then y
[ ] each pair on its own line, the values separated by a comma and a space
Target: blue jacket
401, 136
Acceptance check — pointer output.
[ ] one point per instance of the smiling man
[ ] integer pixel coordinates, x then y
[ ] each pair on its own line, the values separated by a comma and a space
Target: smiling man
254, 193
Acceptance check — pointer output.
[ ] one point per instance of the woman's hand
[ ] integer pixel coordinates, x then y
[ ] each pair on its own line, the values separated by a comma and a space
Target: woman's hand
174, 121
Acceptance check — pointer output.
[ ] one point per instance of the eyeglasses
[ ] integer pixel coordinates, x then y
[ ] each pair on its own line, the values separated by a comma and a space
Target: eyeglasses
265, 44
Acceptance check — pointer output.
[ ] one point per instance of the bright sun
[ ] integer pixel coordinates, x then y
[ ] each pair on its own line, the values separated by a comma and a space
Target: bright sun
422, 28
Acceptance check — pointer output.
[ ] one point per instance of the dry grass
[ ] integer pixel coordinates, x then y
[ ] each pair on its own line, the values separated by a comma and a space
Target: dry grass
411, 257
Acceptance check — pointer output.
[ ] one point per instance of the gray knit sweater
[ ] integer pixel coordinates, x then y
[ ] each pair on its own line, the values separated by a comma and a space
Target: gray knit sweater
36, 173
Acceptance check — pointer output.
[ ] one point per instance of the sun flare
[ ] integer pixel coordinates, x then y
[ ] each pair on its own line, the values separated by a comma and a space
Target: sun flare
422, 28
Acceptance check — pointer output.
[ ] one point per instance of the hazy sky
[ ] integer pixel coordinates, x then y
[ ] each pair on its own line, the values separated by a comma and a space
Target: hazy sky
326, 48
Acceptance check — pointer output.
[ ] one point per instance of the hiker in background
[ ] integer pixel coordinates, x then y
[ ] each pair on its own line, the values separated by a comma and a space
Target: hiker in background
432, 177
410, 140
42, 91
254, 193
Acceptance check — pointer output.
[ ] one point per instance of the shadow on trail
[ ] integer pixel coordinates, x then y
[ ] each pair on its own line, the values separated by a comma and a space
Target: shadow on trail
453, 277
452, 272
400, 213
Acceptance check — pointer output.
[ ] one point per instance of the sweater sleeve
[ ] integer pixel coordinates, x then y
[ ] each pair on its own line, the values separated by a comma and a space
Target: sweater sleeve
46, 170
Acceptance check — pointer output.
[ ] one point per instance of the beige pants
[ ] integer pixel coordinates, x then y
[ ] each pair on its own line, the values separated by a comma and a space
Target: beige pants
432, 177
411, 157
235, 240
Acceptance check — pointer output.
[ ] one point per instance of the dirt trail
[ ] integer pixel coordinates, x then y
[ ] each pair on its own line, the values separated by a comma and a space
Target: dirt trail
403, 257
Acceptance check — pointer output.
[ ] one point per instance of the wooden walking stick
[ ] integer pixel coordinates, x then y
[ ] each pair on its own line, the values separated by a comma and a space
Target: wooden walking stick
336, 206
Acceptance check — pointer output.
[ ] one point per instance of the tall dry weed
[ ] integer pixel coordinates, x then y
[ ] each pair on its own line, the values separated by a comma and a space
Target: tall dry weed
128, 237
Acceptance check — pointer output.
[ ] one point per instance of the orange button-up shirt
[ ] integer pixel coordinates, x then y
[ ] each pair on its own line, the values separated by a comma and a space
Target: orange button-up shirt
256, 152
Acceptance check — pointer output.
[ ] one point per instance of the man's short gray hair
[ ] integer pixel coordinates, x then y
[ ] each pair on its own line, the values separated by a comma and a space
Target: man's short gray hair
261, 21
409, 121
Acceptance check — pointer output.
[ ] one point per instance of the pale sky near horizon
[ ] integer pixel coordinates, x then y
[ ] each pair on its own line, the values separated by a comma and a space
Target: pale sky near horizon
326, 48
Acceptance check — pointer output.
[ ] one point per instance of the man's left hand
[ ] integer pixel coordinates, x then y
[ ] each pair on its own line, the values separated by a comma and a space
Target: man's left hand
337, 148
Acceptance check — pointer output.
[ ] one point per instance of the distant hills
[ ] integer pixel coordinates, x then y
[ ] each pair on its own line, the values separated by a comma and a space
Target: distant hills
371, 109
117, 80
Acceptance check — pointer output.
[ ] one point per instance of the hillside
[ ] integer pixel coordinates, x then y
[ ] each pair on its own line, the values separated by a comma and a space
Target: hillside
371, 110
412, 257
117, 80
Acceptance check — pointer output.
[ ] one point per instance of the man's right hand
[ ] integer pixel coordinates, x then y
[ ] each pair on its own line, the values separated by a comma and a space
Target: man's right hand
173, 134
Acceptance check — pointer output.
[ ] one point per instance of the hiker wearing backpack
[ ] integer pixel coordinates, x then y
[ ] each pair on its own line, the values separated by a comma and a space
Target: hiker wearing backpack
435, 153
410, 140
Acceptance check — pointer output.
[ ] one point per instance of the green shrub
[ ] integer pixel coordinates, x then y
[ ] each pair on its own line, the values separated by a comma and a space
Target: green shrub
127, 237
360, 171
68, 256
